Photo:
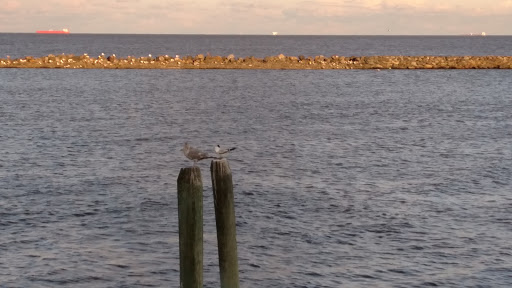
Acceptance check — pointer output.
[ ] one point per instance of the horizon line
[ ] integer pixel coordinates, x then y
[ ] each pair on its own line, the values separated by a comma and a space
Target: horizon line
239, 34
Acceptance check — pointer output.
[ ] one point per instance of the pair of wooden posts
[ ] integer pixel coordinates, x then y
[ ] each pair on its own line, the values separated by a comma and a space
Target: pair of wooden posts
190, 212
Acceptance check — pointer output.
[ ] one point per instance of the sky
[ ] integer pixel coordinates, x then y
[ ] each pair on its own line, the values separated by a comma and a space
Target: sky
290, 17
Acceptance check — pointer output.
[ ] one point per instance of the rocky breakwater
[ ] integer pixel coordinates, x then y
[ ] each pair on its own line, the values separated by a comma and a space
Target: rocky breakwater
271, 62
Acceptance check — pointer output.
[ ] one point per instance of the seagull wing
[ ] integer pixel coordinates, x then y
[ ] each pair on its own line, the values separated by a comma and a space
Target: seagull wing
221, 151
196, 154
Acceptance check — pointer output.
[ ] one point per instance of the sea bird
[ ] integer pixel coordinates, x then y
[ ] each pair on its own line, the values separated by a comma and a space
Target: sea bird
194, 154
223, 152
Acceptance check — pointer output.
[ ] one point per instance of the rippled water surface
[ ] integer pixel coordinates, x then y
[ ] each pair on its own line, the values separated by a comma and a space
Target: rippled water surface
31, 44
342, 178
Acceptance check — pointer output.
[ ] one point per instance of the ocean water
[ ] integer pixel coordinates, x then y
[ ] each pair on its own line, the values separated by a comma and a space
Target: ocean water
21, 45
364, 178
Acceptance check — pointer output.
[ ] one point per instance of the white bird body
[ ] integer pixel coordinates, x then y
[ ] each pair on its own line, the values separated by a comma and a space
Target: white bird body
223, 152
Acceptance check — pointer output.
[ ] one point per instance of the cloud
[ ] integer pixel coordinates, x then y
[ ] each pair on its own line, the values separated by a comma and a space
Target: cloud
11, 5
244, 16
323, 8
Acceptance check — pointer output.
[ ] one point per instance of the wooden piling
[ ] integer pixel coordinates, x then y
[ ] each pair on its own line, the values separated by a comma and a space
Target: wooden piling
223, 197
190, 218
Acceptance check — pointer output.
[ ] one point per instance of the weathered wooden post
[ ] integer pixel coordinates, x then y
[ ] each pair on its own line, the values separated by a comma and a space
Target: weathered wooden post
190, 218
223, 198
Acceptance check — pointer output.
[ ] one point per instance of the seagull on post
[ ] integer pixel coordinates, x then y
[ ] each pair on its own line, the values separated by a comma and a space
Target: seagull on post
222, 152
194, 154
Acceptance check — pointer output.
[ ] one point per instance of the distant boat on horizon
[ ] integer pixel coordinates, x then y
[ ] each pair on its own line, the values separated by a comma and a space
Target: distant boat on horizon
63, 31
274, 33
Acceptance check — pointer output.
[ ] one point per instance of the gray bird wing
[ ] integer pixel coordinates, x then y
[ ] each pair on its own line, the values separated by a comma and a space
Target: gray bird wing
196, 154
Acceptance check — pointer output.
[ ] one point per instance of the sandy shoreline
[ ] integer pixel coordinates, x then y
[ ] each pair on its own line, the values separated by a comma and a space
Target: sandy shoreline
271, 62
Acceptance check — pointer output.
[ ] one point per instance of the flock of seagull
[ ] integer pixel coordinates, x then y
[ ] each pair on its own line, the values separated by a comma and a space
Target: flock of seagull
195, 154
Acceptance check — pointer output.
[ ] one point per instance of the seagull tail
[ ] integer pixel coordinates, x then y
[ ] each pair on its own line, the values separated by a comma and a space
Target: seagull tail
208, 157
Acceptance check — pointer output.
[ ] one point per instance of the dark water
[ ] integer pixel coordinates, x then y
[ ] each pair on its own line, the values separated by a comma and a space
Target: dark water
20, 45
342, 178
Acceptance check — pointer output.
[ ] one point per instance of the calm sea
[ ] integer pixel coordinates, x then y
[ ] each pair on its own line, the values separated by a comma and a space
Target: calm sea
21, 45
346, 178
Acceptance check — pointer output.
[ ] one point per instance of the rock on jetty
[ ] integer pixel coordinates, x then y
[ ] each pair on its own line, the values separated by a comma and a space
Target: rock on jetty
270, 62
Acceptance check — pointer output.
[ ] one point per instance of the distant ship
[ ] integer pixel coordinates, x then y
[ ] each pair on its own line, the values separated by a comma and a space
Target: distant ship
63, 31
274, 33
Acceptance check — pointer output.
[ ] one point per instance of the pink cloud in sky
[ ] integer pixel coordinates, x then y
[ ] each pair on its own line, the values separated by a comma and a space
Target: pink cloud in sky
11, 5
419, 7
256, 17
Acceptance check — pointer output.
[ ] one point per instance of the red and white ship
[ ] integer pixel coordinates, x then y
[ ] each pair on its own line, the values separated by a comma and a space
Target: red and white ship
63, 31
